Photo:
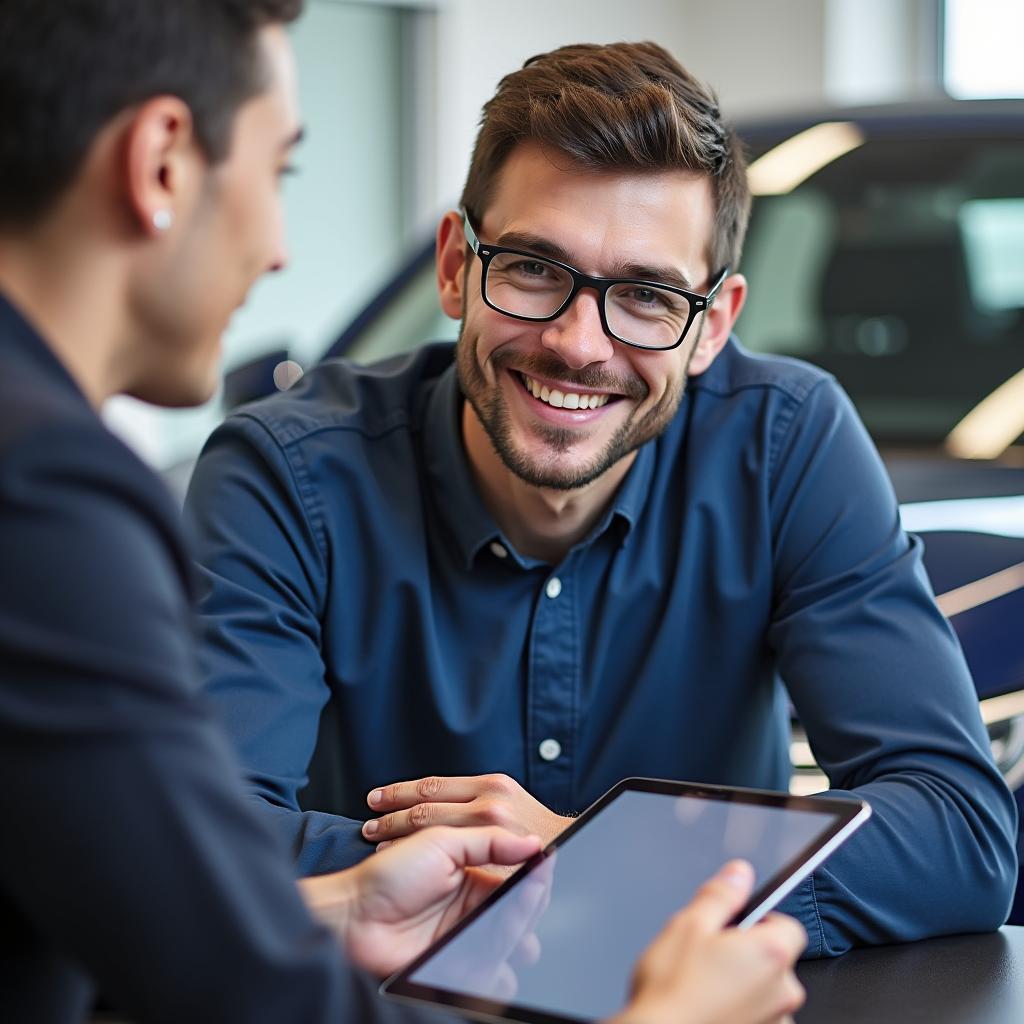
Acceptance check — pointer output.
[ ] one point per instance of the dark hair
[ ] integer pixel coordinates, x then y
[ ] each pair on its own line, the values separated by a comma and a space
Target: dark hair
626, 106
68, 66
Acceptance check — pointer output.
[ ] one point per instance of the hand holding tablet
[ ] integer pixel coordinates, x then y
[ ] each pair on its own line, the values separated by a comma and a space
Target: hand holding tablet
714, 975
386, 909
622, 870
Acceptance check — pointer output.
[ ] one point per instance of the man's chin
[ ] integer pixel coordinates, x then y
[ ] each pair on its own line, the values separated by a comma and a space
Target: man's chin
177, 390
556, 470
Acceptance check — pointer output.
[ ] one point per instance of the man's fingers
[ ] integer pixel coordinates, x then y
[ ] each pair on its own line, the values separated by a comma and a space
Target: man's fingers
784, 937
397, 824
475, 847
494, 845
722, 896
435, 788
421, 816
505, 983
480, 811
527, 953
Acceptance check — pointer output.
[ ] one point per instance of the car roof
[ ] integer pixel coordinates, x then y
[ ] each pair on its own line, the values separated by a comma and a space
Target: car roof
945, 116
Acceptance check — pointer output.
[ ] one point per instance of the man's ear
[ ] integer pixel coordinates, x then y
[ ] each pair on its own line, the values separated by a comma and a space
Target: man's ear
161, 163
718, 323
451, 264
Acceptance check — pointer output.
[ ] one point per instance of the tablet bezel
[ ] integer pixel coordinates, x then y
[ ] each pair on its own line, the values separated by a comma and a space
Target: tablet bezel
849, 815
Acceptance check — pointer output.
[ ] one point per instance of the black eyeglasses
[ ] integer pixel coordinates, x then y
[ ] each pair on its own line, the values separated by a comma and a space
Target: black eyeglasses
638, 313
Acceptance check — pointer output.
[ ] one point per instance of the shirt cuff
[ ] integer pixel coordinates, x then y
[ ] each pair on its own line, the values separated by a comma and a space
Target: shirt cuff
802, 903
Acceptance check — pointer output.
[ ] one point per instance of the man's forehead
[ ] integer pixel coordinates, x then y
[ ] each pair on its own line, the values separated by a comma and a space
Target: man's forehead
632, 217
279, 100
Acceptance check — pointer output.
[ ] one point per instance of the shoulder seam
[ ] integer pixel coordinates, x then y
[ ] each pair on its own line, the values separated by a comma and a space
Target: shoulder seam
306, 495
784, 423
294, 434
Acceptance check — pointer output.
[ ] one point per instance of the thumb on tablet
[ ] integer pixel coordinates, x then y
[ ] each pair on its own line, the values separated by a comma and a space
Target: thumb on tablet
723, 895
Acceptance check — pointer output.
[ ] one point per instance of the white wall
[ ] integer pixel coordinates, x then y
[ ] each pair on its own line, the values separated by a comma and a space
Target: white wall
757, 54
347, 221
878, 50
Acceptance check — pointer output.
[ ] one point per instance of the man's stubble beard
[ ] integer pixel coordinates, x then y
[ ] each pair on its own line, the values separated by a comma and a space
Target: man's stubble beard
492, 411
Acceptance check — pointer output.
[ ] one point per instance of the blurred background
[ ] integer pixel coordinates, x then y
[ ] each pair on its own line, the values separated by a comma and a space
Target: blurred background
392, 93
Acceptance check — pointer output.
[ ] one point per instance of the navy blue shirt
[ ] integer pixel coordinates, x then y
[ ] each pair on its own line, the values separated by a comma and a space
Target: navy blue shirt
349, 564
130, 858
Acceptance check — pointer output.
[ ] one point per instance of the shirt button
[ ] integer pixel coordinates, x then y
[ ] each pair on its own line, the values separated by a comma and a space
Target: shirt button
499, 550
553, 589
549, 749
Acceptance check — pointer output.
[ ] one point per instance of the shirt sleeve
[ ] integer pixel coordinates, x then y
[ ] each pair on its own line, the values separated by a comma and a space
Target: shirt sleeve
882, 689
126, 840
263, 583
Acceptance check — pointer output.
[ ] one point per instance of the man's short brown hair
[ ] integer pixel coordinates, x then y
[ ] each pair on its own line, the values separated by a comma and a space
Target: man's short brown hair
67, 67
625, 106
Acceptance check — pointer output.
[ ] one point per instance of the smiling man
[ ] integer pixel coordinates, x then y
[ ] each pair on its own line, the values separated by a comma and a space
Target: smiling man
595, 539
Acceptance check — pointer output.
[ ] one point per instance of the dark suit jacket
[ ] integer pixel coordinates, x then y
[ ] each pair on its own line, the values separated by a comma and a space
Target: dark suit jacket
130, 858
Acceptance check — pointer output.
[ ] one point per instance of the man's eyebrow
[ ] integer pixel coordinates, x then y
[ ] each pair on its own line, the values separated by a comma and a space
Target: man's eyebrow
534, 243
641, 271
655, 274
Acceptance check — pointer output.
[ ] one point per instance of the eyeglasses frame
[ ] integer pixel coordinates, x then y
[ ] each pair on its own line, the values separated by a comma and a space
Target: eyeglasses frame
698, 303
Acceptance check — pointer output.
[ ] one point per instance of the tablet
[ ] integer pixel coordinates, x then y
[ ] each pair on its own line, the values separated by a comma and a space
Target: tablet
557, 942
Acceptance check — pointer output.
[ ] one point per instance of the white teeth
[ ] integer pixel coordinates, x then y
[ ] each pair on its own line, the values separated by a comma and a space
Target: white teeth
560, 399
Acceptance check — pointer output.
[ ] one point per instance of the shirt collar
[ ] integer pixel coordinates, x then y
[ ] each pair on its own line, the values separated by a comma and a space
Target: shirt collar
461, 507
463, 510
631, 496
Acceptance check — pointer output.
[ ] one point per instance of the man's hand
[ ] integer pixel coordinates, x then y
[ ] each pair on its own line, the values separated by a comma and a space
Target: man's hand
407, 807
701, 972
389, 908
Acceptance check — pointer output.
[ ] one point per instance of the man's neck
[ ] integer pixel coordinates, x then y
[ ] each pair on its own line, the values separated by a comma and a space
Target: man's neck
71, 299
540, 522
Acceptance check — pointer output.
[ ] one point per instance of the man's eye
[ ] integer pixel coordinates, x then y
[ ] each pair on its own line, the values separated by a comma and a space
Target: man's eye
531, 268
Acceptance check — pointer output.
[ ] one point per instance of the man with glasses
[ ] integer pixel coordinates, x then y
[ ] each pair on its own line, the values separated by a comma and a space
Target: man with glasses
596, 538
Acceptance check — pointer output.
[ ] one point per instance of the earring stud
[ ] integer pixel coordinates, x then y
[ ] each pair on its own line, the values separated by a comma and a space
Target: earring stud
163, 219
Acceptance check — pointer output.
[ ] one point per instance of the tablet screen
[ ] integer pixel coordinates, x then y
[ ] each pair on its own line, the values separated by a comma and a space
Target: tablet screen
596, 901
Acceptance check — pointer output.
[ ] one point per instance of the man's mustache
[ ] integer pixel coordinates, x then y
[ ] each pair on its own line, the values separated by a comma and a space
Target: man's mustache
590, 378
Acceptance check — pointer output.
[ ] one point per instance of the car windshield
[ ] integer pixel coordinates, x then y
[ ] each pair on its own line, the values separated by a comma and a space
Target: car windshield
899, 268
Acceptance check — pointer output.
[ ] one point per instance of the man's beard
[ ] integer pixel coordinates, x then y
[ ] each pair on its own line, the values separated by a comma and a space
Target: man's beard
492, 411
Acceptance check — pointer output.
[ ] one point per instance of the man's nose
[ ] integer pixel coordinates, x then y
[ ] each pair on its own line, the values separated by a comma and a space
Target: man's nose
278, 257
578, 336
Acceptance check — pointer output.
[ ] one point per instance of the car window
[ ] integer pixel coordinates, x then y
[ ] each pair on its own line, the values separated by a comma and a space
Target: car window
899, 268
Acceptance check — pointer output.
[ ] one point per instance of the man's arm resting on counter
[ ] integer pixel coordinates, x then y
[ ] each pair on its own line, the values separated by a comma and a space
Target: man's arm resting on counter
262, 592
884, 694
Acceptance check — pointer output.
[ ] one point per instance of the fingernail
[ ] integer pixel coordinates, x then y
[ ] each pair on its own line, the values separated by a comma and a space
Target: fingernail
737, 874
370, 828
375, 797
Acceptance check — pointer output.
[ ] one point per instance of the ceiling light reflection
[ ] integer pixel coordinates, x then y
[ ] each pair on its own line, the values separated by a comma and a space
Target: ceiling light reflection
792, 162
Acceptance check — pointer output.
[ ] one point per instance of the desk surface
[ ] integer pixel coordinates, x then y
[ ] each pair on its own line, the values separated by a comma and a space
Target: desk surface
966, 979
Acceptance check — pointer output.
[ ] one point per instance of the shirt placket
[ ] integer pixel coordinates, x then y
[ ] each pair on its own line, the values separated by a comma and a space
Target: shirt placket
553, 691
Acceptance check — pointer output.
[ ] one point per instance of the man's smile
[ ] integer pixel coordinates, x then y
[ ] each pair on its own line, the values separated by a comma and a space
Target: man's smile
563, 397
